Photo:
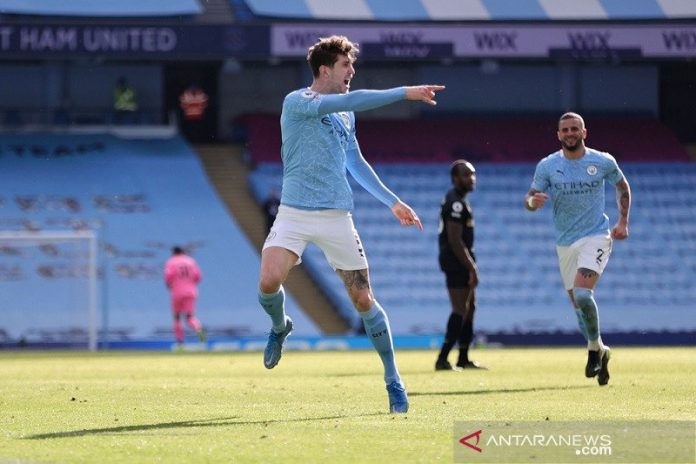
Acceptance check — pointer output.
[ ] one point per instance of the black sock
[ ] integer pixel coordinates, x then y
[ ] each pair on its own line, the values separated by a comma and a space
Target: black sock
465, 338
454, 328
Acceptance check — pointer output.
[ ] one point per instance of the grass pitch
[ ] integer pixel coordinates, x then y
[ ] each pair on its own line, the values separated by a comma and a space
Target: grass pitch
124, 407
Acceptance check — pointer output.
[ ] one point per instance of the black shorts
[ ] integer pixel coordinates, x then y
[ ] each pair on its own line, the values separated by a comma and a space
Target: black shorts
458, 279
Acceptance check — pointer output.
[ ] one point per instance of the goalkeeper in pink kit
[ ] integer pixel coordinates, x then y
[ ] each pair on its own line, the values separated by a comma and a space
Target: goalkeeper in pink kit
182, 275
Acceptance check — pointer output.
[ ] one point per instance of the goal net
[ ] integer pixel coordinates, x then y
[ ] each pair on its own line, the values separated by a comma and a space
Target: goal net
48, 288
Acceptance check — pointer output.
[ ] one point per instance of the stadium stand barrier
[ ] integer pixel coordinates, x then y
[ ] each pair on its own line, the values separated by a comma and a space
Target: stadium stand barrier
141, 196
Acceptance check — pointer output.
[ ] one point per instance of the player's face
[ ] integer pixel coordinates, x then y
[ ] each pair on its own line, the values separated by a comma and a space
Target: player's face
341, 74
465, 178
571, 134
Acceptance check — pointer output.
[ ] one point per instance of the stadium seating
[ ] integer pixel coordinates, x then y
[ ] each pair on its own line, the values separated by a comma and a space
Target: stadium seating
650, 284
141, 197
497, 10
127, 8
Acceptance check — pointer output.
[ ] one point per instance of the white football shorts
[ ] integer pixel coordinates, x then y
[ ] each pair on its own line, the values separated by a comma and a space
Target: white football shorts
332, 230
588, 252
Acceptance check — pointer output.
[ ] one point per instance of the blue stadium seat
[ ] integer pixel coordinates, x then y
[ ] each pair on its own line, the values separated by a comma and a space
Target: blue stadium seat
497, 10
124, 8
140, 197
655, 270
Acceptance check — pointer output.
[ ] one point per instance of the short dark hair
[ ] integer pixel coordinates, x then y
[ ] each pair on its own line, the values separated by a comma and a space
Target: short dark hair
177, 250
571, 115
454, 167
326, 51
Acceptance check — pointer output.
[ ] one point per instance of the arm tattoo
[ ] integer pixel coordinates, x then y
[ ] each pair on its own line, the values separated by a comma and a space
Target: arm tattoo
623, 198
624, 203
587, 273
358, 279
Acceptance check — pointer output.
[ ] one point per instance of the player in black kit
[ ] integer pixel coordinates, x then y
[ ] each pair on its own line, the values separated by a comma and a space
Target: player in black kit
457, 261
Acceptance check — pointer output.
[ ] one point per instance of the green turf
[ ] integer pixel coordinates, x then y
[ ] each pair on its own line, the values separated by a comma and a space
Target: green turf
329, 407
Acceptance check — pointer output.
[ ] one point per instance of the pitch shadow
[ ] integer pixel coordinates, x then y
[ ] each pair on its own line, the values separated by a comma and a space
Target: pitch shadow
219, 422
501, 390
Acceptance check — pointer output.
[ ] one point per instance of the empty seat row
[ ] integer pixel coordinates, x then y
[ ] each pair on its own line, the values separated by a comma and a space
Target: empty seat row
655, 267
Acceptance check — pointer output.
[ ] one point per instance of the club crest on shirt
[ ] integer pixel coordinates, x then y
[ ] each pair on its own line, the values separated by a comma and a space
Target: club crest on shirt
457, 208
345, 118
592, 170
309, 94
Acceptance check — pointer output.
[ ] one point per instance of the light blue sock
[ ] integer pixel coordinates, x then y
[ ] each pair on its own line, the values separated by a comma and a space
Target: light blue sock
584, 299
581, 323
274, 305
377, 329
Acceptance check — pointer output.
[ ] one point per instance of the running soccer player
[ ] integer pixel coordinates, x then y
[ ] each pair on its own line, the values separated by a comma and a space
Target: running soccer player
319, 144
575, 177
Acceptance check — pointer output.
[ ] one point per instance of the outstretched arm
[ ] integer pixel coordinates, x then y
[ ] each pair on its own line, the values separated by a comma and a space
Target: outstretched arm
406, 215
363, 100
623, 201
361, 170
424, 93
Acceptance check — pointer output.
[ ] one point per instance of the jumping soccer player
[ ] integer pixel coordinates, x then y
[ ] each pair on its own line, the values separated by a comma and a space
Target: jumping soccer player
318, 133
575, 176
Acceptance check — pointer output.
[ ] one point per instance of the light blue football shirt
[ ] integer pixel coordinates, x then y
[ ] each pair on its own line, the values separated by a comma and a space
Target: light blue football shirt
318, 134
576, 188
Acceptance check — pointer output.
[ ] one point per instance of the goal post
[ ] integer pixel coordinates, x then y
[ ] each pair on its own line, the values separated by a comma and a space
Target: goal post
48, 281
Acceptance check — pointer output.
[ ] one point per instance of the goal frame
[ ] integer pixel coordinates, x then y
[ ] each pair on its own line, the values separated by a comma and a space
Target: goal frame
58, 236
